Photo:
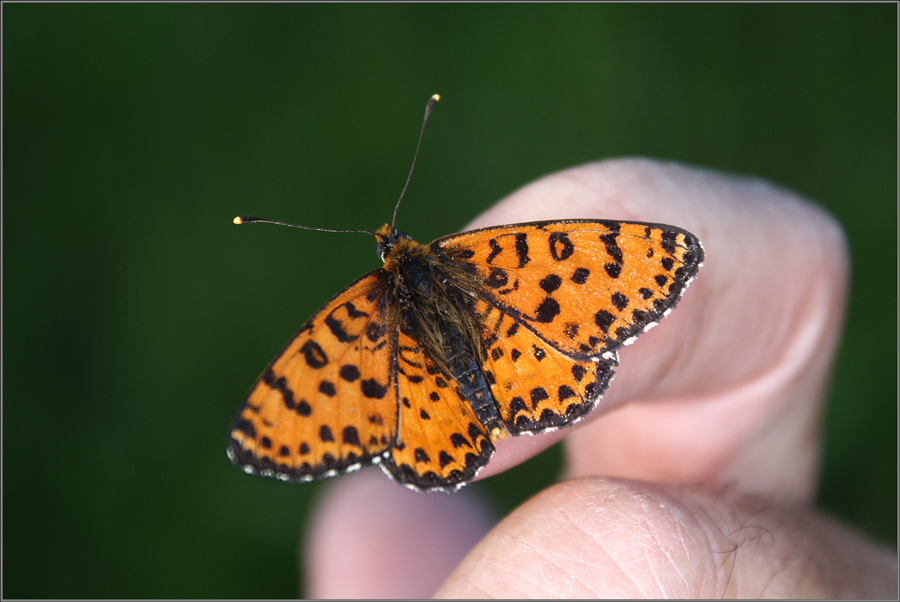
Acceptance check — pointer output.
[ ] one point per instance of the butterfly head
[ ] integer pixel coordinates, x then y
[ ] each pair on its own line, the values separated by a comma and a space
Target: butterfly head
393, 243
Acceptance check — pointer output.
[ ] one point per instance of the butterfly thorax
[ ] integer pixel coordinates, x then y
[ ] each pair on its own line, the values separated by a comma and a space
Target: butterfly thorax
433, 308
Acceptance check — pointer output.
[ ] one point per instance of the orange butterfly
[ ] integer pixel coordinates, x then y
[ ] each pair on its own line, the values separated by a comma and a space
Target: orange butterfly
421, 364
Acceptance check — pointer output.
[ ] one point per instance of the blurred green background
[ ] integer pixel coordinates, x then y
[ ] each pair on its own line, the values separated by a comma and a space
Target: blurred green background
136, 316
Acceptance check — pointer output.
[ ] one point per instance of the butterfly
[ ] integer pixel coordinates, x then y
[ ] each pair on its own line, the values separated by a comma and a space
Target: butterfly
422, 364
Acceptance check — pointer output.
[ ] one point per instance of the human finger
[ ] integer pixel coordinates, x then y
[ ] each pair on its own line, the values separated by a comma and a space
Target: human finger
610, 538
370, 538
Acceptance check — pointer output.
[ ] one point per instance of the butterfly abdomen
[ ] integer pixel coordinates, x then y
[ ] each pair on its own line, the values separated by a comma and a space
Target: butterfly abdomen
473, 386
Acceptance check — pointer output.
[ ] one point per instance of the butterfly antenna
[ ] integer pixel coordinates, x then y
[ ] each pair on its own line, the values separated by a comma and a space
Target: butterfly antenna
248, 219
428, 108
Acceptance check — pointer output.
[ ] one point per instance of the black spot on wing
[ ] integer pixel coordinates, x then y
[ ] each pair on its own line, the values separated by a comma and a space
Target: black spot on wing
350, 436
497, 278
313, 354
522, 249
495, 250
619, 300
604, 320
538, 394
373, 389
374, 331
353, 312
561, 248
245, 427
551, 283
547, 310
458, 440
349, 372
612, 247
280, 384
669, 239
580, 275
337, 329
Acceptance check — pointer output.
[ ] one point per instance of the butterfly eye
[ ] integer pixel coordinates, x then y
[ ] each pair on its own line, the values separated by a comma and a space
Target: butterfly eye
382, 249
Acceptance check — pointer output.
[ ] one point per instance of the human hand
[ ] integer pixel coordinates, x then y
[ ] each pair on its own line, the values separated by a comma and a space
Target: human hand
696, 474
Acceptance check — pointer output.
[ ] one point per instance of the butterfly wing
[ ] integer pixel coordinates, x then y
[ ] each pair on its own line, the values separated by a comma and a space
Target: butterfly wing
557, 299
327, 403
442, 445
536, 387
584, 286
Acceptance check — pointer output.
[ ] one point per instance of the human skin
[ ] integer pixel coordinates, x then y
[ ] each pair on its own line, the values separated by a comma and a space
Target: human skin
696, 474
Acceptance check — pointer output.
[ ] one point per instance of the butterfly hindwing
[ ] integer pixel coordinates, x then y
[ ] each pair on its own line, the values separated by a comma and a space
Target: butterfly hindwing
442, 444
584, 286
537, 388
327, 403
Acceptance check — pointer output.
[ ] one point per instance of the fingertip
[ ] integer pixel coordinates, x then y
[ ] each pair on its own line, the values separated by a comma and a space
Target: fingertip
589, 538
370, 538
612, 538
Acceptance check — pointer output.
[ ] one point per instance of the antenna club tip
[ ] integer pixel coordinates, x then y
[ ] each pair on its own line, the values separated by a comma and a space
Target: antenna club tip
436, 97
238, 220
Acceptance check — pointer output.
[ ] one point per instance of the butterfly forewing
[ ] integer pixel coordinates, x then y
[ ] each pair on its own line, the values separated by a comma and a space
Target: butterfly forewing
583, 286
327, 403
